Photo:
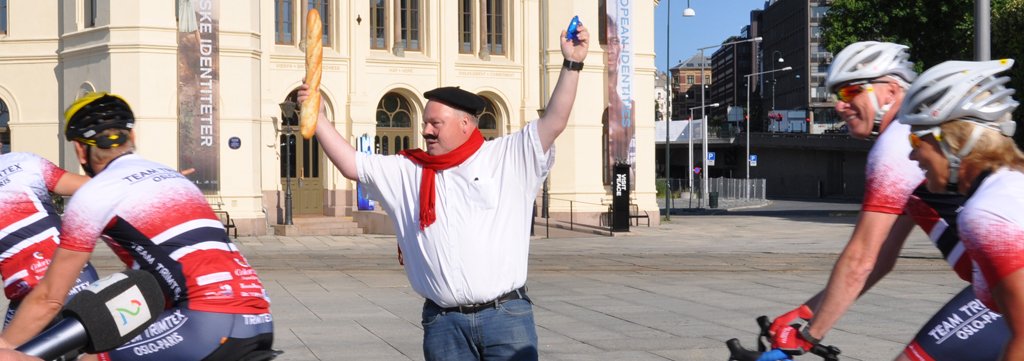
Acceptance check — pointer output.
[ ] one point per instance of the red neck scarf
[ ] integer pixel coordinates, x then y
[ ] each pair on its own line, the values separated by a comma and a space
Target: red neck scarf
432, 164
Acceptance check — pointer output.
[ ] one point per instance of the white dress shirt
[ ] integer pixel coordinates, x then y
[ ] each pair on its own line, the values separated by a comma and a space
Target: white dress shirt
478, 247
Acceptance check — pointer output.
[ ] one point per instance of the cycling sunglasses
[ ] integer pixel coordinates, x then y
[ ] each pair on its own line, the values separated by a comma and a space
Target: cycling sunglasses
916, 138
847, 92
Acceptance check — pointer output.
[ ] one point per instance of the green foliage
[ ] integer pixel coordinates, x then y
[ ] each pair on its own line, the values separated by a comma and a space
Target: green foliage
661, 186
935, 31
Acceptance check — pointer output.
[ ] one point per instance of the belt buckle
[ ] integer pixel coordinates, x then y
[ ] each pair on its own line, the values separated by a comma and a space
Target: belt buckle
477, 307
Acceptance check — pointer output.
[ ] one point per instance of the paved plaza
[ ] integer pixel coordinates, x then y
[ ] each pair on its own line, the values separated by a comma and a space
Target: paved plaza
670, 292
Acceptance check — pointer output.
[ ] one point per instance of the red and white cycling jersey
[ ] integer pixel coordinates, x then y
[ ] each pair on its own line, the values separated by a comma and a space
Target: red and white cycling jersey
155, 219
890, 175
29, 224
992, 229
894, 185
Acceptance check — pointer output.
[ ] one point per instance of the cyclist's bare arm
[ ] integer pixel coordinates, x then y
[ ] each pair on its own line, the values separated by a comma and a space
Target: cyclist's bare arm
47, 298
869, 255
1009, 294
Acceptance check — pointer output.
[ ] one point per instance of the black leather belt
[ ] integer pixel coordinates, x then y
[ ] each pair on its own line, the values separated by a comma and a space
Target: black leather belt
516, 294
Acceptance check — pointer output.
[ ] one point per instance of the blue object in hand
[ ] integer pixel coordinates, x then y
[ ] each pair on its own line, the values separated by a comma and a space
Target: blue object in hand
774, 355
570, 34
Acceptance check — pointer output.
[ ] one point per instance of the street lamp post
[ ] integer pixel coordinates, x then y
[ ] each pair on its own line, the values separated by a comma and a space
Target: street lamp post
703, 141
289, 110
688, 12
781, 60
748, 116
689, 145
704, 116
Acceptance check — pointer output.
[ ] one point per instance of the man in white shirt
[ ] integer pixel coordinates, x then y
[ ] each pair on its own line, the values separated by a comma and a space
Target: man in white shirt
462, 212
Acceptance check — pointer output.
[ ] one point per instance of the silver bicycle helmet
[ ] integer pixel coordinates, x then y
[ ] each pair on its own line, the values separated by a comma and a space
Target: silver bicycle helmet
868, 60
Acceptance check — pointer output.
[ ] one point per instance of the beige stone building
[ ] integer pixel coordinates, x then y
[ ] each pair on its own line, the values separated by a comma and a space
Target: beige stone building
379, 58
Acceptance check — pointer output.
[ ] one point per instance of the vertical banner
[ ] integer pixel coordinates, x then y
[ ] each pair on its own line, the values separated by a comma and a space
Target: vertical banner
621, 63
621, 144
198, 91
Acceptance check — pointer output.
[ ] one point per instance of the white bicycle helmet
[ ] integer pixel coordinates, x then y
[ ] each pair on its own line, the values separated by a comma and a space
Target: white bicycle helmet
966, 90
868, 60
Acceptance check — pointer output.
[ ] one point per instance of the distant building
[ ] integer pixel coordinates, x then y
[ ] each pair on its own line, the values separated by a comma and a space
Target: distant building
730, 64
685, 75
660, 95
791, 32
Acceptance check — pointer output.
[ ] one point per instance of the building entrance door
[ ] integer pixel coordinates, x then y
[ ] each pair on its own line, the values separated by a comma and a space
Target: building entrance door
300, 164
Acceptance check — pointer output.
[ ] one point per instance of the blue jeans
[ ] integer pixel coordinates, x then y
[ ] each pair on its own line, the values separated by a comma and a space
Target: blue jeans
506, 332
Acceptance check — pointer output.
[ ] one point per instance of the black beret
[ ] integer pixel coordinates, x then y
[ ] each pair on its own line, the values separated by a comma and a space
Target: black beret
458, 99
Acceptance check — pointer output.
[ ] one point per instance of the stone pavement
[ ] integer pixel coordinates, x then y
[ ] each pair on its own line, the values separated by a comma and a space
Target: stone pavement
671, 292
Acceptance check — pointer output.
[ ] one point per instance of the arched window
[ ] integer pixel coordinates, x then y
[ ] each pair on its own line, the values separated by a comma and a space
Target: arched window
303, 155
5, 130
488, 121
394, 111
394, 124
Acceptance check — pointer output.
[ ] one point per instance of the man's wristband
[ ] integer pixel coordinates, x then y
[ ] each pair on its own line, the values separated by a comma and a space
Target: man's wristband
805, 332
572, 65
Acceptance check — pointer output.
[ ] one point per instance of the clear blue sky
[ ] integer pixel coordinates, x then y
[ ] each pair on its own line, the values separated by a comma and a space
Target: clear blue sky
716, 20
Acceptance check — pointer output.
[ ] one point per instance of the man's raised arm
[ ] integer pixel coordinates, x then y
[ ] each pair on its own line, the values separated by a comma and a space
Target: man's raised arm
564, 95
337, 149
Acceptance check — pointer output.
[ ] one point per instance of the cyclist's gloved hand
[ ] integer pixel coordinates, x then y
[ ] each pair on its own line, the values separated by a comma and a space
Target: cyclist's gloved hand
789, 318
794, 340
774, 355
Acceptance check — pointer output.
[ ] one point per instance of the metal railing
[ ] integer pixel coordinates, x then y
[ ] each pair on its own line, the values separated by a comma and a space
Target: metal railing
685, 196
539, 212
731, 188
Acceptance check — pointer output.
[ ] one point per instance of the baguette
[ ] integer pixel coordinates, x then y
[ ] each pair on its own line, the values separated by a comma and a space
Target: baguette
314, 67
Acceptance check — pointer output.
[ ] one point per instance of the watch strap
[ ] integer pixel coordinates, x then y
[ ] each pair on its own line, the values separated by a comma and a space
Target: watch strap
572, 65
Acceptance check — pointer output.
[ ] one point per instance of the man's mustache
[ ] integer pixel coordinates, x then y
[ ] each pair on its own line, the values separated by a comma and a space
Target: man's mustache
430, 137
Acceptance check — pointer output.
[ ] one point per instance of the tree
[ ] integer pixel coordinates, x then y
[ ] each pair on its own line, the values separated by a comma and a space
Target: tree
935, 31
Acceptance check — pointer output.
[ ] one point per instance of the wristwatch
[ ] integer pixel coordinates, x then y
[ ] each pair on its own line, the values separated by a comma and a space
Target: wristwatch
572, 65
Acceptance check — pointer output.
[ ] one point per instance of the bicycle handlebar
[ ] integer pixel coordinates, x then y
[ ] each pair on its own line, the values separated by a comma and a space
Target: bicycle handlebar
739, 353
